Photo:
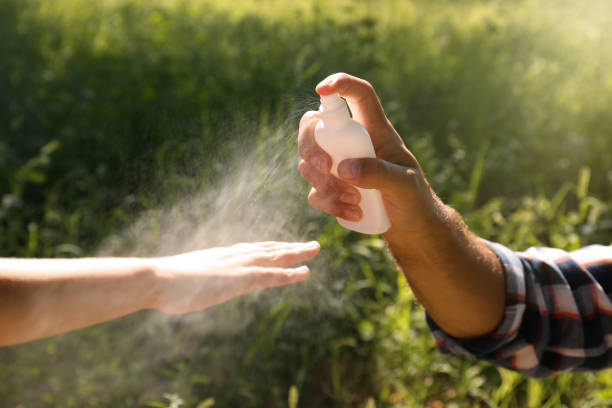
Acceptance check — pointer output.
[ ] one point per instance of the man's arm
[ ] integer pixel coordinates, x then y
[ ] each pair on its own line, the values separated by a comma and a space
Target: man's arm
558, 314
43, 297
454, 274
538, 312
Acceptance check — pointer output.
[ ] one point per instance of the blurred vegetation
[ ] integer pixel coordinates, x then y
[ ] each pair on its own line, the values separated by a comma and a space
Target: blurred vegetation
115, 107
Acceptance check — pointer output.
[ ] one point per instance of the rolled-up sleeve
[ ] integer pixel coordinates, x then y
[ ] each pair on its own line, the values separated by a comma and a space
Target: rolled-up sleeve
558, 314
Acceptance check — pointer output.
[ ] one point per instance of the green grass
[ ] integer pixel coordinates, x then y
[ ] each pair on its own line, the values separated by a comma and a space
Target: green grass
118, 110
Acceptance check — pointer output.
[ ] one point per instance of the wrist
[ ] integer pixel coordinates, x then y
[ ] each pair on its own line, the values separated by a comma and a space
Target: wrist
156, 278
442, 232
426, 224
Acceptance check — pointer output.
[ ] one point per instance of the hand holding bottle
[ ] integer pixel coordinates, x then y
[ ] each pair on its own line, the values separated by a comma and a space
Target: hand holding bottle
409, 202
453, 273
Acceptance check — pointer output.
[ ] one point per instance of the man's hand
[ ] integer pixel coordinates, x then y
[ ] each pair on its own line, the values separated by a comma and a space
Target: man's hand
453, 273
410, 203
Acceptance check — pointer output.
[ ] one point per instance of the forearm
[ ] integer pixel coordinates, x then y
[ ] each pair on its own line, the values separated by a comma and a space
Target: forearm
43, 297
454, 274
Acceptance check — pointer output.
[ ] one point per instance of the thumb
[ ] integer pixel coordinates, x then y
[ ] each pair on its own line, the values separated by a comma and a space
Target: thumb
377, 174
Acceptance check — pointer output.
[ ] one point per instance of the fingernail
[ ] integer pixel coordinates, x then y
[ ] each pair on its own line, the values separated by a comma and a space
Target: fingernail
349, 169
352, 214
350, 198
301, 269
321, 163
327, 81
312, 244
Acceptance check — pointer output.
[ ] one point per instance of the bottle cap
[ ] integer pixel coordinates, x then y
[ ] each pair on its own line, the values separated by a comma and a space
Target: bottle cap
331, 102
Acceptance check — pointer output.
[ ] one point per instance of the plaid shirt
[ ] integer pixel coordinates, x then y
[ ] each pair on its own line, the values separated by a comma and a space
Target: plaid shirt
558, 313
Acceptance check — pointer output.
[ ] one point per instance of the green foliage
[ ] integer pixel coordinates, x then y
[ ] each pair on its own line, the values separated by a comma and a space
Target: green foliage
571, 218
116, 107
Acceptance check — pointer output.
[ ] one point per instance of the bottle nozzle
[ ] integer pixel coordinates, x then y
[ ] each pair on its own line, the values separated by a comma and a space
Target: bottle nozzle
331, 102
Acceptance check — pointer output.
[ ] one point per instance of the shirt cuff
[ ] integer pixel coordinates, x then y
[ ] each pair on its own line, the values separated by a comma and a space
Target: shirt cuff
490, 345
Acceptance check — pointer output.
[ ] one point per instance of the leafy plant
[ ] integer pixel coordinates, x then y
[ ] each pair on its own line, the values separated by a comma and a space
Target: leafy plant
115, 109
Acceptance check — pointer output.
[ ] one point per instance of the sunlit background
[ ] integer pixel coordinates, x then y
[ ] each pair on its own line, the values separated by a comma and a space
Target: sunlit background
120, 118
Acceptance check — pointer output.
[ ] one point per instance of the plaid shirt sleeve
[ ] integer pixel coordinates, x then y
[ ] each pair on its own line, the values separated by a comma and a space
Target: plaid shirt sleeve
558, 314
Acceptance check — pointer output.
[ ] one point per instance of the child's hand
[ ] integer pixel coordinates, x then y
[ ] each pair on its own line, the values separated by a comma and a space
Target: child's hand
199, 279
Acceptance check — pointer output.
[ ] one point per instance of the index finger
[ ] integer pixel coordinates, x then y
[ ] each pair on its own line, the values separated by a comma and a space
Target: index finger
307, 145
361, 96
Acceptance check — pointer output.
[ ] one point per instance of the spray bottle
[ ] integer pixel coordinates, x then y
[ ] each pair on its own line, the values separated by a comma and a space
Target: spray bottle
344, 138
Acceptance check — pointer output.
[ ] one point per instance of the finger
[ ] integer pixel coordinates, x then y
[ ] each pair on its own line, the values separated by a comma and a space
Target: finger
329, 185
245, 248
282, 255
266, 244
334, 207
361, 97
288, 246
290, 255
270, 277
293, 246
272, 245
379, 174
308, 147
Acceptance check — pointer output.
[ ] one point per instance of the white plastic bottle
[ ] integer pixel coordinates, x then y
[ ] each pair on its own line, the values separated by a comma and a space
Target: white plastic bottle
343, 138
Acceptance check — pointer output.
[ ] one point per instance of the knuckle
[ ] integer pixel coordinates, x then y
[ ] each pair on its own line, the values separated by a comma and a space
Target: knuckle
309, 174
305, 135
313, 197
307, 127
303, 168
332, 207
368, 91
330, 188
343, 81
316, 200
305, 147
306, 117
324, 189
273, 258
336, 208
306, 143
342, 77
326, 186
338, 76
367, 86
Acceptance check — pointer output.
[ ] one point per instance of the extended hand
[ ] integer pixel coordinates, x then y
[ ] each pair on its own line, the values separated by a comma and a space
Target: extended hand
43, 297
199, 279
